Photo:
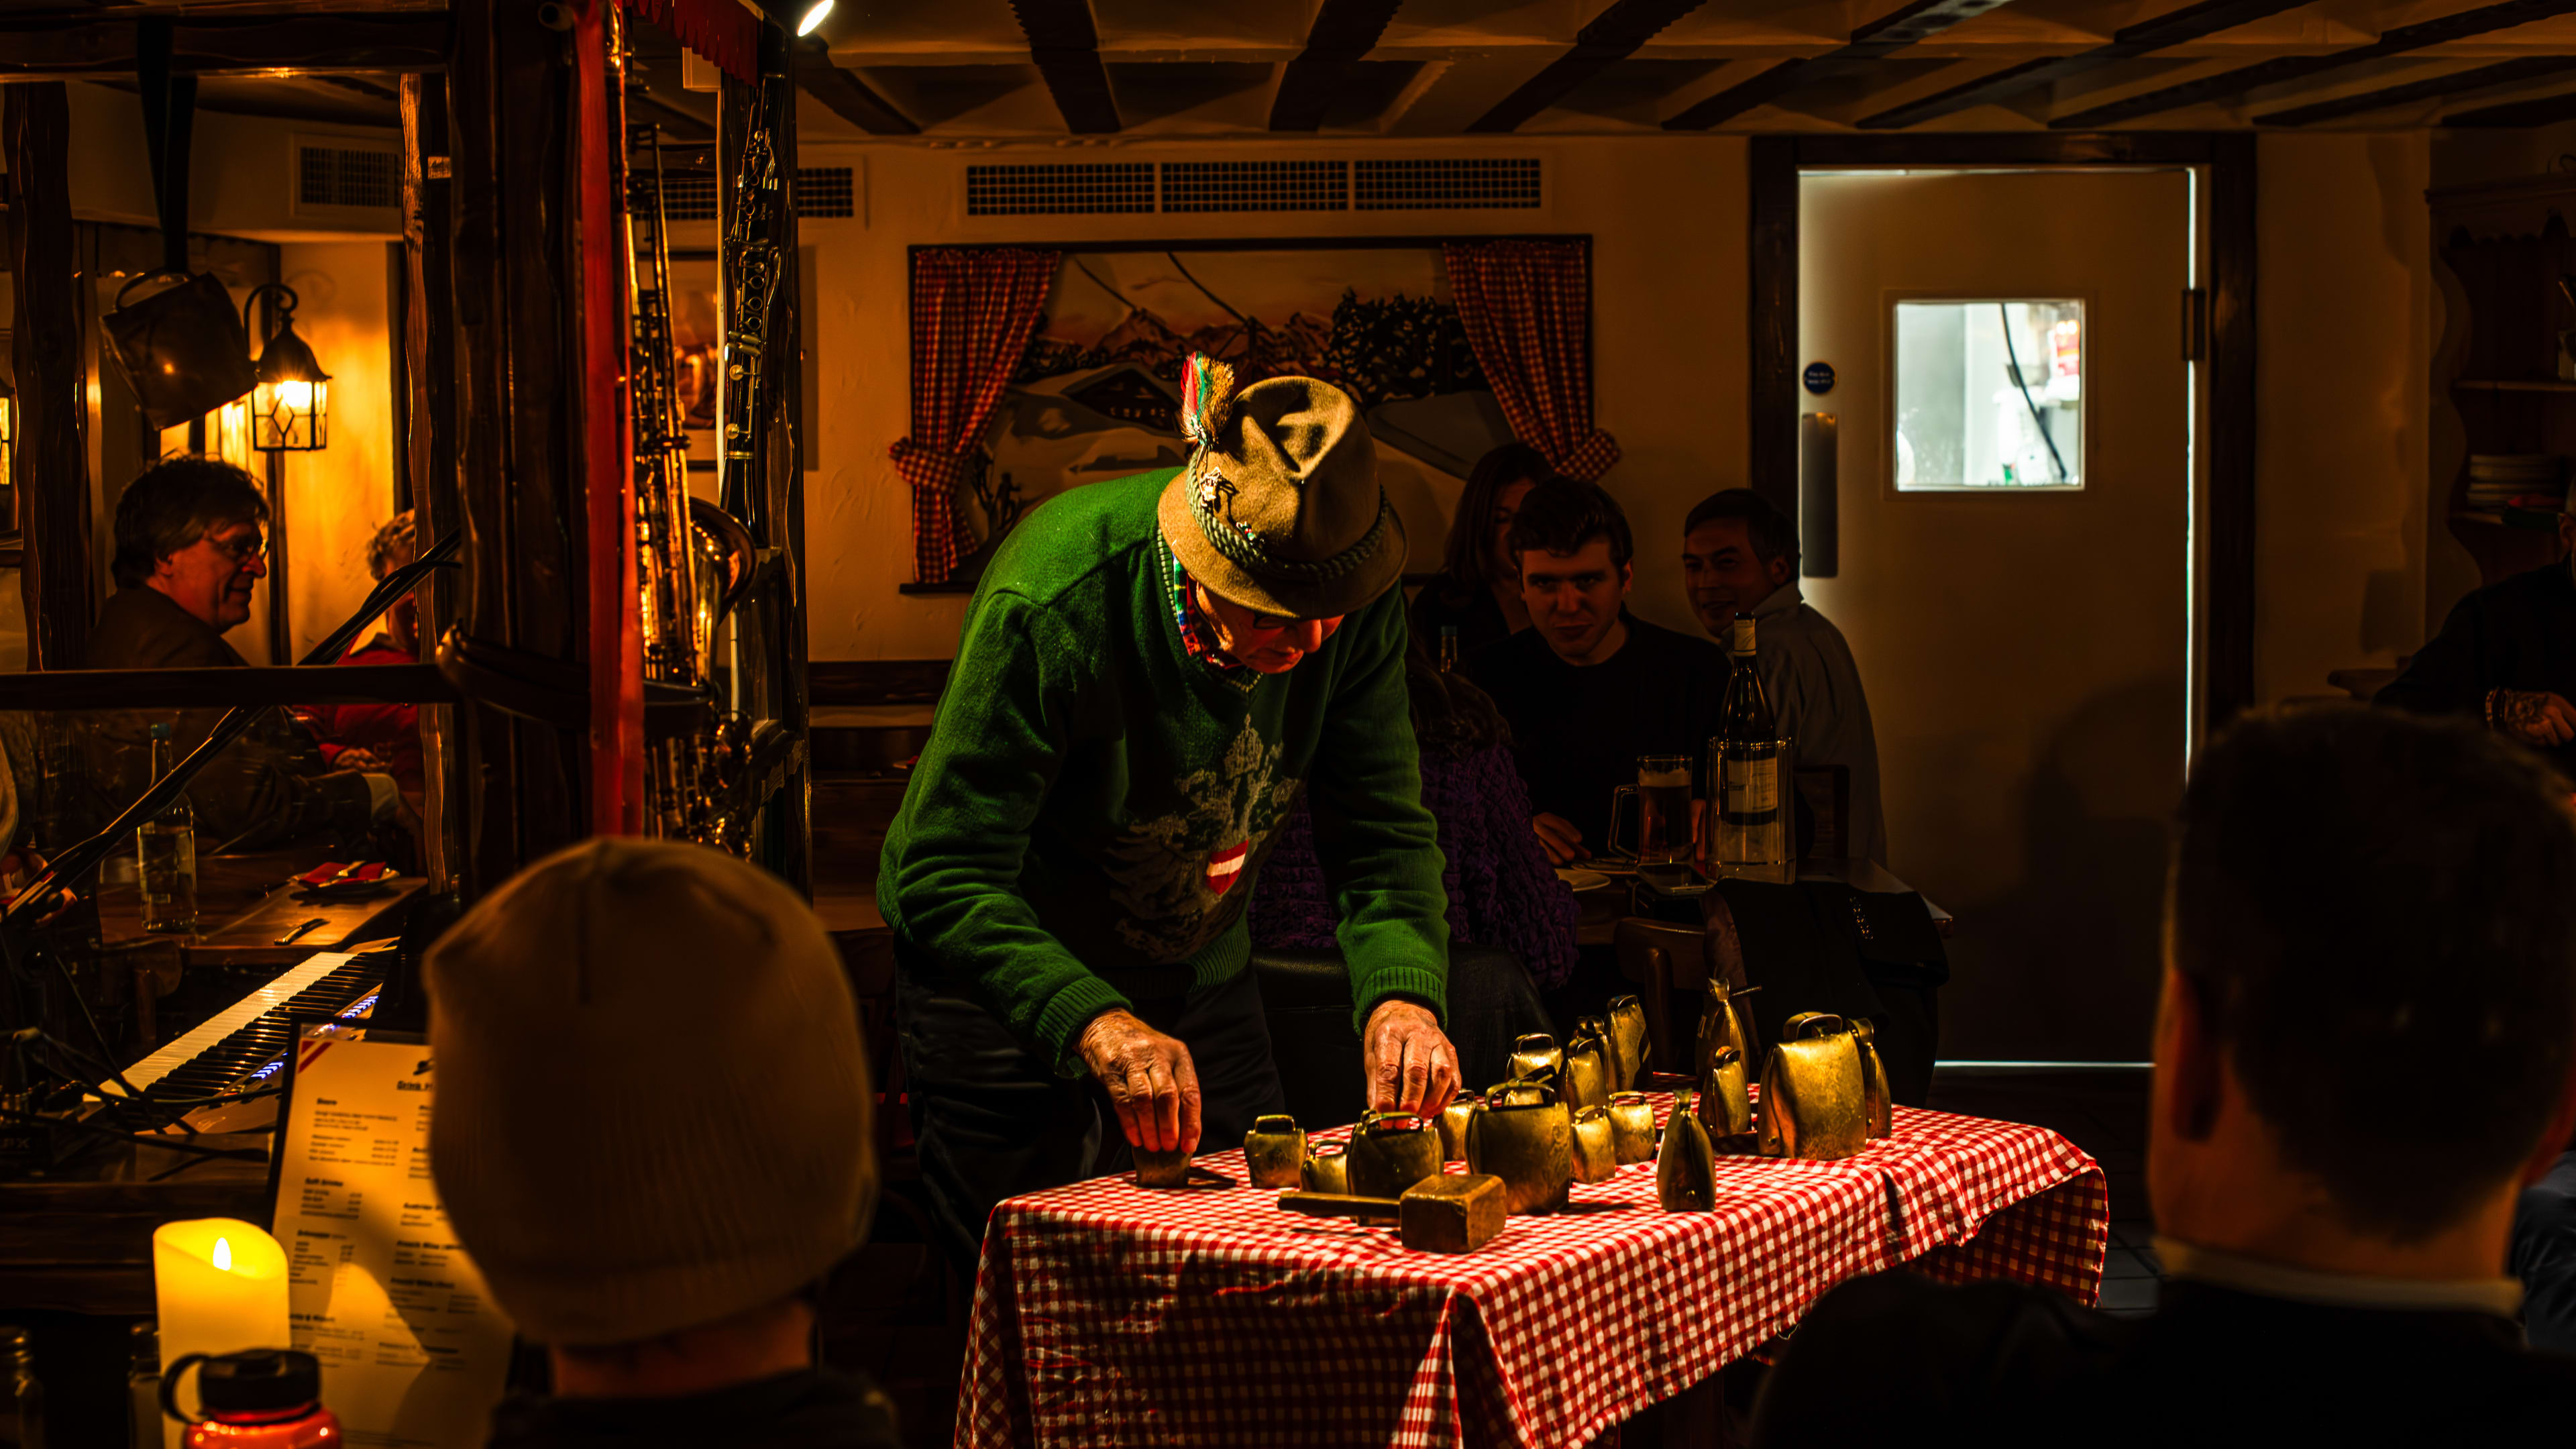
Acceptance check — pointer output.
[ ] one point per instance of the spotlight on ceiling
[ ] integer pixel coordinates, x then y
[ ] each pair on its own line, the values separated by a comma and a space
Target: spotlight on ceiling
796, 17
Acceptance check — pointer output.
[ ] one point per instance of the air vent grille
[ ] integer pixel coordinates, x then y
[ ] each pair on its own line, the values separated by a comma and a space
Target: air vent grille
1074, 189
824, 191
337, 176
1484, 183
1479, 183
1256, 186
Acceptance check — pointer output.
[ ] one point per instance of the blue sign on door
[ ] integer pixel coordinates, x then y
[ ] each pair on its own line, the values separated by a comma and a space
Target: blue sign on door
1820, 378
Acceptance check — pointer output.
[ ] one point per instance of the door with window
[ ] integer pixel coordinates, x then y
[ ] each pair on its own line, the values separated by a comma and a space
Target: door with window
2014, 422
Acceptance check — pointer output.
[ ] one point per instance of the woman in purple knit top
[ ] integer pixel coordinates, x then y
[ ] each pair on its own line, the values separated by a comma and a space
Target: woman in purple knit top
1502, 891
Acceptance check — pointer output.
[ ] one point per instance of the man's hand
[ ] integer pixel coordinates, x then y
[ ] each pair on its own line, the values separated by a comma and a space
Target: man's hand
355, 759
1149, 1077
1557, 835
1411, 1065
2535, 716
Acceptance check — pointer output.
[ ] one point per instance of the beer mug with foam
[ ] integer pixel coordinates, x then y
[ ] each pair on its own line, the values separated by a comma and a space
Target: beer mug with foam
1663, 792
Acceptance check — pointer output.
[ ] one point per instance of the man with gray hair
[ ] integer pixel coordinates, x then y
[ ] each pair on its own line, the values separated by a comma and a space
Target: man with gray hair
189, 547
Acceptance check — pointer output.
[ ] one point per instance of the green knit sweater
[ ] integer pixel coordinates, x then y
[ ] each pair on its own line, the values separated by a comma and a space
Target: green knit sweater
1094, 802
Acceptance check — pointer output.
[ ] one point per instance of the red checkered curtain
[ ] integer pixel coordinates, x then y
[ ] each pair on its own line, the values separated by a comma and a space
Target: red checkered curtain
973, 309
1527, 310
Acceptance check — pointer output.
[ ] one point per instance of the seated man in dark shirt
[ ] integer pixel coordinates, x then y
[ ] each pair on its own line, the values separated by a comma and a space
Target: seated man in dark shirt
2506, 657
2364, 1051
1588, 689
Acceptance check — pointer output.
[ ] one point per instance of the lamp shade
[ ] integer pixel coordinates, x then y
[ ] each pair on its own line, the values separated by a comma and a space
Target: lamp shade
290, 407
181, 350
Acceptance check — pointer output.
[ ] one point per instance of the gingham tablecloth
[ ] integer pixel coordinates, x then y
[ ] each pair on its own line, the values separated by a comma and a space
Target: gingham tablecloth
1105, 1314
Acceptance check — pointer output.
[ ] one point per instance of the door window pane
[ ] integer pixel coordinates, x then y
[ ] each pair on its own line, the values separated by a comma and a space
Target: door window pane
1989, 394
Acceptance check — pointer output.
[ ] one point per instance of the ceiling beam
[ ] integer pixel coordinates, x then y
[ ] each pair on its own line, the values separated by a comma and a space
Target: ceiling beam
2529, 67
307, 44
845, 95
1884, 36
1612, 36
2177, 27
1066, 46
1344, 30
2538, 111
2283, 69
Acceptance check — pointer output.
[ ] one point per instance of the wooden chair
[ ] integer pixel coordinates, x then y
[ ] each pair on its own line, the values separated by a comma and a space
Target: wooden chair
1663, 957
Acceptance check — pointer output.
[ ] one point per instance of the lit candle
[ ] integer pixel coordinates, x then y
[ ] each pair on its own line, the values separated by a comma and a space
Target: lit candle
220, 1287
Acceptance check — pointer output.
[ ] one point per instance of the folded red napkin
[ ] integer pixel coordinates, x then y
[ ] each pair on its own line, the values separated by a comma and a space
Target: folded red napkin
332, 872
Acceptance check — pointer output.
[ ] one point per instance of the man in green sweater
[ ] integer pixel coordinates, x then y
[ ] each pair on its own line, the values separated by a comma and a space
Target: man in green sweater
1150, 672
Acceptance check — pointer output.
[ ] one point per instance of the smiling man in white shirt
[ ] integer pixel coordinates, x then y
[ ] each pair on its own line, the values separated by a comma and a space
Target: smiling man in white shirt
1740, 556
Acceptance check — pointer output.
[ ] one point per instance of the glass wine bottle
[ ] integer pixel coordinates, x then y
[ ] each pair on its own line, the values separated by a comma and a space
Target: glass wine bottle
1748, 771
166, 853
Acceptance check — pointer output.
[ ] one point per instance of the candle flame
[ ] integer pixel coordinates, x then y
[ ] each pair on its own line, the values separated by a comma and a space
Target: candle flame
224, 1254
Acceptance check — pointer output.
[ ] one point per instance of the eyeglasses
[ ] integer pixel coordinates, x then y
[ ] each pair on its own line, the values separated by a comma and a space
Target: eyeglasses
240, 550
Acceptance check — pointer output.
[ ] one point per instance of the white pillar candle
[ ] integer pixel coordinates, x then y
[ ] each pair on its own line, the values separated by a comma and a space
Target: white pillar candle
220, 1287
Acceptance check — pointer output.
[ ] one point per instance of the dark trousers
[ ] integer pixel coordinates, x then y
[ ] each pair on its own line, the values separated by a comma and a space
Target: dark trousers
993, 1121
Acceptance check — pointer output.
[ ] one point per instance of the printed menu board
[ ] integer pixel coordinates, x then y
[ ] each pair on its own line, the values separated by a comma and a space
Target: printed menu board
413, 1350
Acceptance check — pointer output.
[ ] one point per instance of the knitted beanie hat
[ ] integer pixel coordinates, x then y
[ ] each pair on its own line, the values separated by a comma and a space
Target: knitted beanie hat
652, 1107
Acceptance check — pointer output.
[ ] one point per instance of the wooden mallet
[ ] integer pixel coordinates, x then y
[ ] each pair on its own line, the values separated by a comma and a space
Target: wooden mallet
1443, 1213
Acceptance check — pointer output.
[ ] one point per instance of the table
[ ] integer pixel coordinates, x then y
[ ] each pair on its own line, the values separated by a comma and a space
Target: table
1602, 908
1105, 1314
242, 908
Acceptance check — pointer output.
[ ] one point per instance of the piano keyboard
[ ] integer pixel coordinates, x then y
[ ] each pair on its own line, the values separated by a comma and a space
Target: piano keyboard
249, 1038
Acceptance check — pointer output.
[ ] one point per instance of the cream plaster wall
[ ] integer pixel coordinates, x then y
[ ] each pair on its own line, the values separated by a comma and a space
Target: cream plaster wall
336, 498
1667, 218
2345, 321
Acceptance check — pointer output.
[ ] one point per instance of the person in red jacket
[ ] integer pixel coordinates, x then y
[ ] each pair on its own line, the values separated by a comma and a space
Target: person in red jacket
382, 737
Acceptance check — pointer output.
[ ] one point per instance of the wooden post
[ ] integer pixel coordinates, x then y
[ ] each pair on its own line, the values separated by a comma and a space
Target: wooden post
429, 445
45, 349
511, 119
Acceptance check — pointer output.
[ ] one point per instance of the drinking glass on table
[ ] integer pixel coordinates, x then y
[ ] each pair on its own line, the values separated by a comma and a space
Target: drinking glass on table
1663, 792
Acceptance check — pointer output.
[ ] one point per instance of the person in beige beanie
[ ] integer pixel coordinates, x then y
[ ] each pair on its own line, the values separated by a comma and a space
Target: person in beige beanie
652, 1135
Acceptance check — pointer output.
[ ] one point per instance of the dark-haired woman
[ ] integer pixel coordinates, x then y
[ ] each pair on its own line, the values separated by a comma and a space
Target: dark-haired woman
1478, 590
1502, 892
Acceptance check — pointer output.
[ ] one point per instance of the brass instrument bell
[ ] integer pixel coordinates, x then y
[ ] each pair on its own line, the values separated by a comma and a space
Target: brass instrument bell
1391, 1151
1686, 1170
1535, 1055
1814, 1104
1627, 1043
1274, 1151
1530, 1147
1632, 1126
1596, 1147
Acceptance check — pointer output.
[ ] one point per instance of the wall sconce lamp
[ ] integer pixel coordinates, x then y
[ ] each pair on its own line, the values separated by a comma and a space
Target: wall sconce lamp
8, 457
290, 408
796, 17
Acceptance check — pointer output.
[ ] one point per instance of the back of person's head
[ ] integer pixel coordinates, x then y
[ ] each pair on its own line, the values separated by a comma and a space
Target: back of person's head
1766, 528
1467, 559
2376, 913
1562, 515
652, 1107
1450, 715
392, 546
172, 504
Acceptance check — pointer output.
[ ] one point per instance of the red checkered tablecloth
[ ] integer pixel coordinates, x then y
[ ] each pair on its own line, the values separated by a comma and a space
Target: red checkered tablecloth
1105, 1314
